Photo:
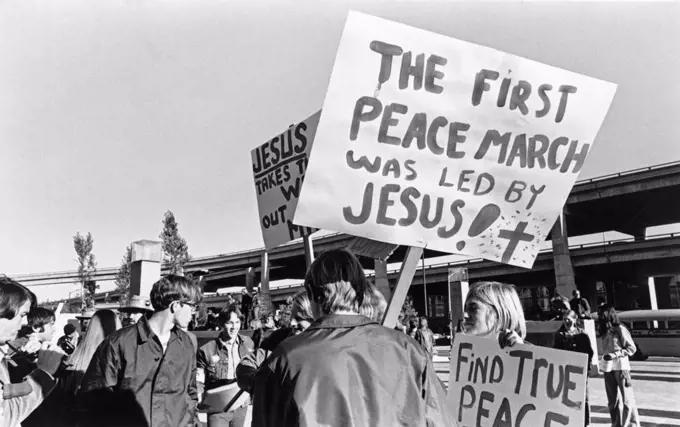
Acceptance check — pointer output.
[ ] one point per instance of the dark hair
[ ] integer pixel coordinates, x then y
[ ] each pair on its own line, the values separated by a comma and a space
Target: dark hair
225, 315
607, 319
331, 267
39, 317
69, 328
12, 296
173, 288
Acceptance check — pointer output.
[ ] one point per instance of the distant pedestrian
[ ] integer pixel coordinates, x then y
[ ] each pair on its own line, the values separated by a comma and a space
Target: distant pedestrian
246, 305
571, 337
400, 326
617, 347
580, 305
425, 337
559, 305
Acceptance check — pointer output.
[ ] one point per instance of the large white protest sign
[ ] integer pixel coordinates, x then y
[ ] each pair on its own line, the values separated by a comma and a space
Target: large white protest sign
279, 167
518, 386
425, 140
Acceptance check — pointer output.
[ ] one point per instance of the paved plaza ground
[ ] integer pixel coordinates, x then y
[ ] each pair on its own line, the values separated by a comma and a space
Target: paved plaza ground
656, 383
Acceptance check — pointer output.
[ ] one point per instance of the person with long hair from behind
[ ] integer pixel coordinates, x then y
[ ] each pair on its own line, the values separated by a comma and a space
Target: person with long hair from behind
493, 310
617, 347
103, 324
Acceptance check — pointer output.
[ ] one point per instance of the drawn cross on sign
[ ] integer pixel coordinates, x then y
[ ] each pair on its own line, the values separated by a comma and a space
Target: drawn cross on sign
514, 237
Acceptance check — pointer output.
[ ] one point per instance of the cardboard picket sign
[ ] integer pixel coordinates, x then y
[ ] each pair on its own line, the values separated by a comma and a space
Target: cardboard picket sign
523, 385
279, 168
429, 141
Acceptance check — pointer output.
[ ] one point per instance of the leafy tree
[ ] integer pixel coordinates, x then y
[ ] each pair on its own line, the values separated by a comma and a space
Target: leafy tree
123, 277
175, 248
408, 311
87, 267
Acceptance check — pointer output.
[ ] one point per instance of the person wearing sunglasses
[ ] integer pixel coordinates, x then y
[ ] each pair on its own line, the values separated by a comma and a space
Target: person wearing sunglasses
145, 375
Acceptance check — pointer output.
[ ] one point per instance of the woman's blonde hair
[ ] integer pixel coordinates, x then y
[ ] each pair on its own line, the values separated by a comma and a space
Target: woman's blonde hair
302, 307
102, 324
505, 305
374, 304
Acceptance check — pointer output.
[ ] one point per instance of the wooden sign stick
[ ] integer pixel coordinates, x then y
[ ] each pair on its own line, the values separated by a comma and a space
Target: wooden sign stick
309, 248
408, 270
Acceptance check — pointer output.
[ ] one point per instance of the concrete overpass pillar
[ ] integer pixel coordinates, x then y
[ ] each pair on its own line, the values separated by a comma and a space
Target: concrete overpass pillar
662, 287
145, 269
653, 302
564, 271
638, 233
265, 296
458, 290
381, 280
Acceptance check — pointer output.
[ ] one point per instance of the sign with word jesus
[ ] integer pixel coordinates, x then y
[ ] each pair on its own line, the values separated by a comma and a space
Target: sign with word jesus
429, 141
519, 386
279, 167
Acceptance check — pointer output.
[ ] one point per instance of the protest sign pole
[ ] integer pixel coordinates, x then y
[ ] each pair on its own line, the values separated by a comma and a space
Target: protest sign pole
408, 270
422, 257
265, 298
309, 248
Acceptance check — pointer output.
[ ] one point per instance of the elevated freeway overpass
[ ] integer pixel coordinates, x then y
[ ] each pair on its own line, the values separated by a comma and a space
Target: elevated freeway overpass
628, 202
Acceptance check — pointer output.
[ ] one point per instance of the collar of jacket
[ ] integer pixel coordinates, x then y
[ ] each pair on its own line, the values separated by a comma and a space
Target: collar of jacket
221, 343
333, 321
145, 333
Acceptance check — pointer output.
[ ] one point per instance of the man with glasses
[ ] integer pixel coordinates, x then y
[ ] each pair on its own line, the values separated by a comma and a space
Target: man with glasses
146, 375
217, 362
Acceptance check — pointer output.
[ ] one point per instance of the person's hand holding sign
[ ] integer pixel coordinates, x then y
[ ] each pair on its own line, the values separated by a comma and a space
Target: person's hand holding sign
509, 338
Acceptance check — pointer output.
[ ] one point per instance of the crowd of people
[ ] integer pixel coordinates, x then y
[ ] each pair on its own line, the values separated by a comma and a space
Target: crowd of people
333, 363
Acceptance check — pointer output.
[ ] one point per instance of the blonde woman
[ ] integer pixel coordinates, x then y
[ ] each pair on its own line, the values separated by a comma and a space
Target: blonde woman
493, 310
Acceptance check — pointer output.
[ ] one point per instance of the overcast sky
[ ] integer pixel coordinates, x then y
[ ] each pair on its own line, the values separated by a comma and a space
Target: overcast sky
112, 112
